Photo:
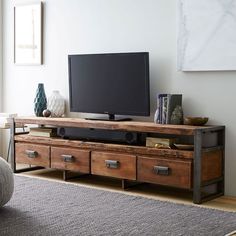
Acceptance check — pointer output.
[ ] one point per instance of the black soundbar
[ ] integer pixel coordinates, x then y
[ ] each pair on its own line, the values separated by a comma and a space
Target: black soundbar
111, 136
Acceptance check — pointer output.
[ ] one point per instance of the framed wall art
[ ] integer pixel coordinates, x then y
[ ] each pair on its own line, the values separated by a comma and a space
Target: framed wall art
207, 36
28, 34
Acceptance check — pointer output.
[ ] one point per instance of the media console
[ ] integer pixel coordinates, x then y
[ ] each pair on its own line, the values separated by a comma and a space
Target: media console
200, 170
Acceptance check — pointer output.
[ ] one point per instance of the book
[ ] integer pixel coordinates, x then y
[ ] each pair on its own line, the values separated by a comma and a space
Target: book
160, 107
43, 132
164, 110
166, 103
173, 100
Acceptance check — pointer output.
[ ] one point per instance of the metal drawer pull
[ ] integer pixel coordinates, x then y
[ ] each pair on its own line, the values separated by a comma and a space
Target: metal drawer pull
68, 158
31, 153
112, 164
161, 170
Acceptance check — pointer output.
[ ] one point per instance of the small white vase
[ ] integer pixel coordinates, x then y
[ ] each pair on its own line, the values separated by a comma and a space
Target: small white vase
56, 104
156, 116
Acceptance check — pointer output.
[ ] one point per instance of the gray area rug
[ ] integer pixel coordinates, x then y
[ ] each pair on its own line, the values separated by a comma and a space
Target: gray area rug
41, 207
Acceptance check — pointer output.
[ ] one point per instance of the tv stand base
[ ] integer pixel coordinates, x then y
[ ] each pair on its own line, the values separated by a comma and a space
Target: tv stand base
107, 119
111, 117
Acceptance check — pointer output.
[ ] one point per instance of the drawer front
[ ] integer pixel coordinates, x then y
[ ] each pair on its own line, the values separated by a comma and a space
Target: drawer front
166, 172
33, 154
113, 164
70, 159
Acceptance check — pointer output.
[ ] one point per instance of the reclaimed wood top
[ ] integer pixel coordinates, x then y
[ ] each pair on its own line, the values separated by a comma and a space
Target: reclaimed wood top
116, 125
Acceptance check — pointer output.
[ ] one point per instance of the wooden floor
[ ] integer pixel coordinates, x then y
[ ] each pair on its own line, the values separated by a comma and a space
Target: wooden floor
146, 190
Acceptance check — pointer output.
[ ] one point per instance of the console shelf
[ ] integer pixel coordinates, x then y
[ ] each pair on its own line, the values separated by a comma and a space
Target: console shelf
200, 170
104, 146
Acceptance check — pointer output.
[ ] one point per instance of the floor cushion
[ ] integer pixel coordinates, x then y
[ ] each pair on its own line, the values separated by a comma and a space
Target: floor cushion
6, 182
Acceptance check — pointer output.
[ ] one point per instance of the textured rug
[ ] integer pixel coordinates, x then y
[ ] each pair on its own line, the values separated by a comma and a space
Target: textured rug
42, 207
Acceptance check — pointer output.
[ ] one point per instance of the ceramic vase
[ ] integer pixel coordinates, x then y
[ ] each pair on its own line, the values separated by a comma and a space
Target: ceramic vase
156, 116
40, 101
157, 112
56, 104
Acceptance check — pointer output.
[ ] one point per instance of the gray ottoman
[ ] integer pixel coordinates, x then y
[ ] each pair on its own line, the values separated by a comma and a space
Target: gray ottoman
6, 182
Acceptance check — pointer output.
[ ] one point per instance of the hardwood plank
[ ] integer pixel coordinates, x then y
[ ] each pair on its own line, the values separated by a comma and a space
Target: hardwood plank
112, 125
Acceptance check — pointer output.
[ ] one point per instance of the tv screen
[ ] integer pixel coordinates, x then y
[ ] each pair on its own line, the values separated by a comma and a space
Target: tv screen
113, 84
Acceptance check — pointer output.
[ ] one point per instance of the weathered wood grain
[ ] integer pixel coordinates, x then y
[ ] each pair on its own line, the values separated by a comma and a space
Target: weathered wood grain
42, 157
126, 165
80, 159
113, 125
180, 172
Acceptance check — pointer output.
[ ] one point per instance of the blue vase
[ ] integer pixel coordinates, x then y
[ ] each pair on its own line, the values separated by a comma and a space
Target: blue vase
40, 101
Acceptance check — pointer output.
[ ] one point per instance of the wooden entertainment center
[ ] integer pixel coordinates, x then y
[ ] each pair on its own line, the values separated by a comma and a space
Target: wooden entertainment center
200, 170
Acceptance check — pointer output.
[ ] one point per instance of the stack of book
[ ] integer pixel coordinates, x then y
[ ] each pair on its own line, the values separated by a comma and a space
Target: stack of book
43, 132
166, 103
5, 120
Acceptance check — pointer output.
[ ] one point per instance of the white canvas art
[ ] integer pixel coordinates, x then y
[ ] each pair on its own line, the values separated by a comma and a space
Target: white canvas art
28, 34
207, 35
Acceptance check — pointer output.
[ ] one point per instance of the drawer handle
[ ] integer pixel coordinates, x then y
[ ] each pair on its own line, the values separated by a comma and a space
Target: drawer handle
68, 158
31, 153
161, 170
112, 164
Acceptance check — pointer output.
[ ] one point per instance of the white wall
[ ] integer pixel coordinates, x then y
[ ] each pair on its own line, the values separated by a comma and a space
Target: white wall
90, 26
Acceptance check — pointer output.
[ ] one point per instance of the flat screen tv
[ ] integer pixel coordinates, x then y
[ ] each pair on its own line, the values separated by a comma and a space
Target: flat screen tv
113, 84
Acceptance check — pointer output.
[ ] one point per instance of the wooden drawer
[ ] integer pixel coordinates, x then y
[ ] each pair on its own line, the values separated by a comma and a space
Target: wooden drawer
33, 154
70, 159
175, 173
113, 164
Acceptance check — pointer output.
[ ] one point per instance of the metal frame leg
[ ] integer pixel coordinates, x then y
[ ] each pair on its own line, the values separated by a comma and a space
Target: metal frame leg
8, 150
197, 163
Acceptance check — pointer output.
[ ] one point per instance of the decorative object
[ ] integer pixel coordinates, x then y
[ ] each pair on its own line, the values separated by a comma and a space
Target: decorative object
6, 182
28, 34
56, 104
184, 146
160, 142
156, 116
177, 116
40, 101
90, 211
207, 36
166, 103
46, 113
191, 120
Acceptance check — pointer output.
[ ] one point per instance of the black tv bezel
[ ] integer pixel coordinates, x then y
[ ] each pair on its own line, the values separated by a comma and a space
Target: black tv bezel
113, 113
